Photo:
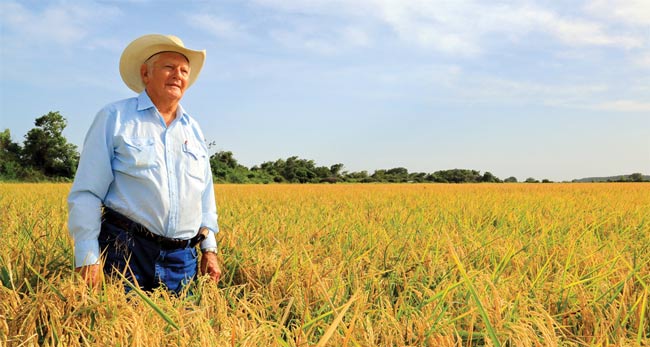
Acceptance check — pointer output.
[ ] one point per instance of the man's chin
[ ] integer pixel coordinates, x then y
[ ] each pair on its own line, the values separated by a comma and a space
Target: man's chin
175, 93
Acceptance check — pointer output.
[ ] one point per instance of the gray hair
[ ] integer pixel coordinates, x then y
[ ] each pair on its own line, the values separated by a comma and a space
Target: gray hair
150, 61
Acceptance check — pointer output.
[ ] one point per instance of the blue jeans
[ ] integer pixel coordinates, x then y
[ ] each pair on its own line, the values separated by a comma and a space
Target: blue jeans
143, 262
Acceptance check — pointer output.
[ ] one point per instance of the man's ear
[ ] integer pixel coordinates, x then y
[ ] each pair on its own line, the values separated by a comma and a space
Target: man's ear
144, 73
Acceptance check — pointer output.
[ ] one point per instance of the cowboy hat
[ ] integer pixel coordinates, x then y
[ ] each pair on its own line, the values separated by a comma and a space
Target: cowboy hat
142, 48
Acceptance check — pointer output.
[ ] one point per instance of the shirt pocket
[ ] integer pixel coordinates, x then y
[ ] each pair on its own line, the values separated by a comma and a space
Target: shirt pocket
138, 152
195, 159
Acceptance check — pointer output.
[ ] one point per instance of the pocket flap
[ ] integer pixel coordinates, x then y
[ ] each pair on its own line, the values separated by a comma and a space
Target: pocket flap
139, 142
194, 151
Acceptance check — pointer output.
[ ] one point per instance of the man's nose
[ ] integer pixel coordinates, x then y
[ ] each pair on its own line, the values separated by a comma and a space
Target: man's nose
177, 73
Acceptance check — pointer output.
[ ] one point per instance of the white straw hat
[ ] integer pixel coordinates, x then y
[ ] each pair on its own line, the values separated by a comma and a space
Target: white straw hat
142, 48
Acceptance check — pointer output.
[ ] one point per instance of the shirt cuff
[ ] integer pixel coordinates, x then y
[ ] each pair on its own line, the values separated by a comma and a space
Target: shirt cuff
86, 252
210, 241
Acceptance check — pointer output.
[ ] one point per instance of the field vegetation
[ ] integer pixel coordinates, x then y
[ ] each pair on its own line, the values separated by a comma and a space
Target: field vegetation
356, 265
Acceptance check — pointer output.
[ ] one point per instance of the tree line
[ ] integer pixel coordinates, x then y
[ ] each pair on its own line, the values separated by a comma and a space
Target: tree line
46, 155
225, 168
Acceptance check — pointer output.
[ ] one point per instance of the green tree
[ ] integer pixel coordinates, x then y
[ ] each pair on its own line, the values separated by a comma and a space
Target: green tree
397, 175
457, 176
324, 175
636, 177
379, 175
226, 169
336, 169
489, 177
436, 177
221, 163
361, 176
335, 173
227, 158
47, 150
10, 152
417, 177
511, 179
274, 169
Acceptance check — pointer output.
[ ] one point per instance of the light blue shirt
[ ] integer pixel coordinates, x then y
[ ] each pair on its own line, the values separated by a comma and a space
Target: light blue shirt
157, 175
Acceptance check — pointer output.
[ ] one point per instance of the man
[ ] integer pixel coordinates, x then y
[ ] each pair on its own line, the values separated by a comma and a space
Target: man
143, 196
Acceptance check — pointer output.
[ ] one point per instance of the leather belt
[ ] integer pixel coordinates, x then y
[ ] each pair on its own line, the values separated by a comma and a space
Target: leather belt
119, 220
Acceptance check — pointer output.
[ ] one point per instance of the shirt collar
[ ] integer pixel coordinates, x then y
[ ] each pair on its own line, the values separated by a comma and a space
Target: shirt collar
144, 103
180, 112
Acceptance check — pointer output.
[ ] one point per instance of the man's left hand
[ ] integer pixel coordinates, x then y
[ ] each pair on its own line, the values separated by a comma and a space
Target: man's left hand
210, 265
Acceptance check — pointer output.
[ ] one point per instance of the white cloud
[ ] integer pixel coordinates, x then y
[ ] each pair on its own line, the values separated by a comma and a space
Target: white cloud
624, 106
310, 38
629, 12
39, 37
217, 26
582, 32
331, 7
355, 36
643, 60
430, 26
490, 89
464, 27
63, 23
292, 39
108, 44
572, 96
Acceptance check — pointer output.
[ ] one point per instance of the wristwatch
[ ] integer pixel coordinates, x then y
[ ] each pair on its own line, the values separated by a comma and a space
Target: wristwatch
209, 250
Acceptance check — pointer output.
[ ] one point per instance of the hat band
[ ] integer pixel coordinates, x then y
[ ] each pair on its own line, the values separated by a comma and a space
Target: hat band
151, 56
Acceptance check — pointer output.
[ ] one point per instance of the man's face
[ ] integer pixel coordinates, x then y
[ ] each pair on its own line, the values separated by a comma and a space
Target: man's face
167, 79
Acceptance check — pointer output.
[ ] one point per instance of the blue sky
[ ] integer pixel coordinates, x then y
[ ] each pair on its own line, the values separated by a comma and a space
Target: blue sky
544, 89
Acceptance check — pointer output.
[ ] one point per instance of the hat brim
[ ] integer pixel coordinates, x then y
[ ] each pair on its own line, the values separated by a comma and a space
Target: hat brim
142, 48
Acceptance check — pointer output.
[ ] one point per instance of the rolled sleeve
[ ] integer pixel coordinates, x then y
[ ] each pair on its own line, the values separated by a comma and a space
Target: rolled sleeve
94, 176
209, 242
209, 211
86, 252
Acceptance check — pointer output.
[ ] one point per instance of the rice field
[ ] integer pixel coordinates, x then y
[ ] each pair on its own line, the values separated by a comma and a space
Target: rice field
356, 265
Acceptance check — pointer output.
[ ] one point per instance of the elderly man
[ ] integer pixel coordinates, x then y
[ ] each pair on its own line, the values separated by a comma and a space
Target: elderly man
143, 197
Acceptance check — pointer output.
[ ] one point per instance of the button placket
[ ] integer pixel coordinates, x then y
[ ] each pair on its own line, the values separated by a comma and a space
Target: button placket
170, 146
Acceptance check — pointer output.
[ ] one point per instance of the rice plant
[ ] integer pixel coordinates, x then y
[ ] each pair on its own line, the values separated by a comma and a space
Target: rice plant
356, 265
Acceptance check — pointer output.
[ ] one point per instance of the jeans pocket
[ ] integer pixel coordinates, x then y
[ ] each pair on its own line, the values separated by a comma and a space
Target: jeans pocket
194, 253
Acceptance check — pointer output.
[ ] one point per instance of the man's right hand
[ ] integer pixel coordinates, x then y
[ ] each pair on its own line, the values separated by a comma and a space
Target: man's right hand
91, 274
